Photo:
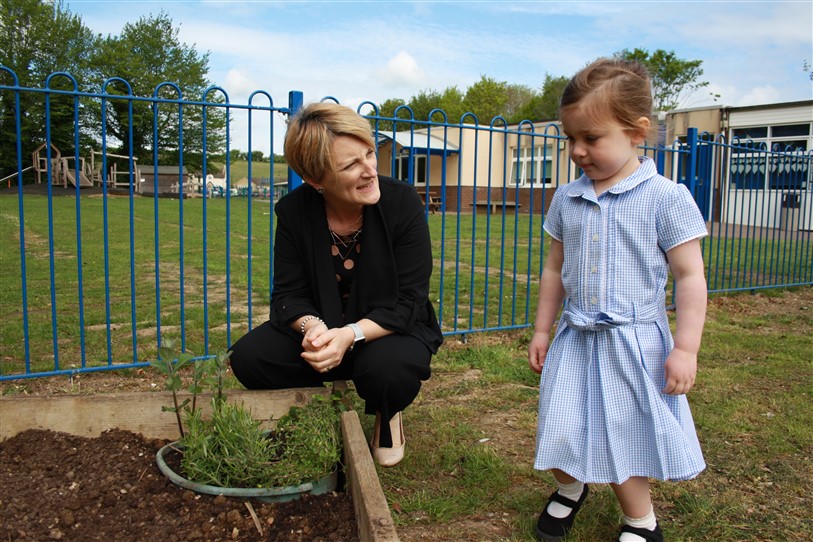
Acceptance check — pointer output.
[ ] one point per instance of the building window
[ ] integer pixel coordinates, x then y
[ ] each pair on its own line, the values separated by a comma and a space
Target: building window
416, 175
774, 157
532, 164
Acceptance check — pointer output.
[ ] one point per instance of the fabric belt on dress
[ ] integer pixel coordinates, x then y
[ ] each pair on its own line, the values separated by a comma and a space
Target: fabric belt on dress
599, 321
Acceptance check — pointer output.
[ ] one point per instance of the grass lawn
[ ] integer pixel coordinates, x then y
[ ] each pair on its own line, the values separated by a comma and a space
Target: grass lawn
239, 170
198, 270
470, 436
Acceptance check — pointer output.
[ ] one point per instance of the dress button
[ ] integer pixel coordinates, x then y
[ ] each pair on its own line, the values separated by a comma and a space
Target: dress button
595, 237
593, 269
593, 300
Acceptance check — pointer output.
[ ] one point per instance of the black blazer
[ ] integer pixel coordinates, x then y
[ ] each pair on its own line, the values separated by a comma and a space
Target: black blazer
391, 285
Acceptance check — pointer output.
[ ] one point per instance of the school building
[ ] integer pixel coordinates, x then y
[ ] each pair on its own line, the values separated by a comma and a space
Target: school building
758, 157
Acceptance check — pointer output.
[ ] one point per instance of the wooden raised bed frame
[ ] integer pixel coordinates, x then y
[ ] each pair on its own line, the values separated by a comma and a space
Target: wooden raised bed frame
90, 415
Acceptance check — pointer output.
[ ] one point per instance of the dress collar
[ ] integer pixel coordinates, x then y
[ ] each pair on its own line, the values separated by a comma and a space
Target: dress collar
646, 170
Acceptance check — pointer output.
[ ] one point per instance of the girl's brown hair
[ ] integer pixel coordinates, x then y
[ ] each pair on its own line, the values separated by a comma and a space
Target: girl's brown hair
611, 88
311, 132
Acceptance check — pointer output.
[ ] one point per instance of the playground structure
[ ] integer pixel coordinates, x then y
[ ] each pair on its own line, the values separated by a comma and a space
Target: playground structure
116, 178
64, 170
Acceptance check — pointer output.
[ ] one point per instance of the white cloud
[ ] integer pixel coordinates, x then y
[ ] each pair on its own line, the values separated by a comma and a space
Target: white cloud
760, 95
403, 70
750, 26
239, 84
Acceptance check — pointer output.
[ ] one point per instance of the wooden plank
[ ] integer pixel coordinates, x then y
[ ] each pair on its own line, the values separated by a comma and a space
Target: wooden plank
90, 415
140, 412
372, 512
492, 206
434, 200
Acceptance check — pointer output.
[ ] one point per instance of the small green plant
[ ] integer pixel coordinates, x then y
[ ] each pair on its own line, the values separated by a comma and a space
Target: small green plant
208, 373
231, 449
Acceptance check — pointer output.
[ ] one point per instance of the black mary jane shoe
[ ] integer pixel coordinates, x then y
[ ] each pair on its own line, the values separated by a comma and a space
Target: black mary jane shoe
551, 529
646, 534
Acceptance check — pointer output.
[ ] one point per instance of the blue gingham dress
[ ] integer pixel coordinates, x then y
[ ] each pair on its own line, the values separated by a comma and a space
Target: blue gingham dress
602, 415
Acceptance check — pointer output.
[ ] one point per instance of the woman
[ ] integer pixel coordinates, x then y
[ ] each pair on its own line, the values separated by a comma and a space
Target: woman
352, 262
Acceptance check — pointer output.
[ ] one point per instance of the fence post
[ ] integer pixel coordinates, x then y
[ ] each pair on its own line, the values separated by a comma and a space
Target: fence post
661, 153
691, 167
294, 105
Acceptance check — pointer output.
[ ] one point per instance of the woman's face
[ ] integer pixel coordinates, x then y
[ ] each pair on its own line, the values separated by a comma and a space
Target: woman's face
356, 179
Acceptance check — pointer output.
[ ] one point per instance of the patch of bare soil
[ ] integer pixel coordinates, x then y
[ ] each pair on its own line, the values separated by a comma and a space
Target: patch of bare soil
55, 486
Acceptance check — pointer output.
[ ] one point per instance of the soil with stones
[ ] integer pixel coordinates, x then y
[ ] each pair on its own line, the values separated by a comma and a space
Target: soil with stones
56, 486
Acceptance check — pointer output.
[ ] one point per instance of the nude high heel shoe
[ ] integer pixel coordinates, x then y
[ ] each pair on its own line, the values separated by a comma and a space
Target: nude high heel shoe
389, 457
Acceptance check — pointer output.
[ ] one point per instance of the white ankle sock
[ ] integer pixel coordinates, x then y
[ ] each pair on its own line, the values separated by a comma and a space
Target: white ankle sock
649, 522
571, 491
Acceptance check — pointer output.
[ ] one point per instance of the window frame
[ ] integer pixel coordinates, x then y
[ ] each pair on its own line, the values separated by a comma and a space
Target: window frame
418, 170
540, 164
761, 160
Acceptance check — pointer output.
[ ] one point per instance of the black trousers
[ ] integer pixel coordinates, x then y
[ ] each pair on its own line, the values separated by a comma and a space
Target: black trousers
386, 372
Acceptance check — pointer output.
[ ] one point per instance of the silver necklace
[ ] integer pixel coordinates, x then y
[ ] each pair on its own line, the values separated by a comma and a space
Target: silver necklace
346, 242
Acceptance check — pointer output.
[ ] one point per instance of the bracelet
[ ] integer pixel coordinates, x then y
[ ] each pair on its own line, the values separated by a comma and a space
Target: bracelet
306, 320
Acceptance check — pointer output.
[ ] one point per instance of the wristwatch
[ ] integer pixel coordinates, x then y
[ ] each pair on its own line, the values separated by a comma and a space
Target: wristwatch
359, 334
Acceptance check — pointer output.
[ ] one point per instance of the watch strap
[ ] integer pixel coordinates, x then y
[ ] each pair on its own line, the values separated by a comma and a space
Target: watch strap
357, 332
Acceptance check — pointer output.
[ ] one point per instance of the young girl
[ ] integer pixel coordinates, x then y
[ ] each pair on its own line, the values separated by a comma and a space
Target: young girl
612, 405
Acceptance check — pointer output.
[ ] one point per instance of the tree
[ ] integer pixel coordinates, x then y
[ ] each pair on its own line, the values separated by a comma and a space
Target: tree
487, 98
387, 109
423, 103
36, 40
451, 102
257, 156
545, 105
517, 98
147, 54
673, 79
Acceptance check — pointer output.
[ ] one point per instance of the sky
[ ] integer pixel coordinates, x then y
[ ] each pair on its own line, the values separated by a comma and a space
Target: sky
753, 52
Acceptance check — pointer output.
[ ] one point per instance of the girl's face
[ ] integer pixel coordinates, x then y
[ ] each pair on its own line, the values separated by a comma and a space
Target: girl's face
355, 182
605, 150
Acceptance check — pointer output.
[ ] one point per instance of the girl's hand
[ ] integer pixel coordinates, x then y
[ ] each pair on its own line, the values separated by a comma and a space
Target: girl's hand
681, 370
537, 351
324, 348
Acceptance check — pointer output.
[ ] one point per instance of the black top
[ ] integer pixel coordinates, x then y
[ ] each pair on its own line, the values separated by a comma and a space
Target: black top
391, 277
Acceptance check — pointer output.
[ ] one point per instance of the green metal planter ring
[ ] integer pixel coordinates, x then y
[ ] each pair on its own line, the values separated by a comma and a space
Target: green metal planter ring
324, 485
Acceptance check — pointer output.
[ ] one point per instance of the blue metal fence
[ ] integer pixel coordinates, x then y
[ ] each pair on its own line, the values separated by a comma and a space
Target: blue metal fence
99, 274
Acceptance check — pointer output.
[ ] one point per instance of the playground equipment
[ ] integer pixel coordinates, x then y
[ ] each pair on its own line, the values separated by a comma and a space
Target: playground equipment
8, 178
119, 174
64, 170
68, 172
40, 160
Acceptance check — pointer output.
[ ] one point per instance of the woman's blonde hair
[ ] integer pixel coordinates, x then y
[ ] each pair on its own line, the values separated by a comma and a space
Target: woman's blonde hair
611, 88
311, 132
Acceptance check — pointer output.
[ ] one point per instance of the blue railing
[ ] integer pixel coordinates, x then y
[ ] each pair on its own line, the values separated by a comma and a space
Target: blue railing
102, 273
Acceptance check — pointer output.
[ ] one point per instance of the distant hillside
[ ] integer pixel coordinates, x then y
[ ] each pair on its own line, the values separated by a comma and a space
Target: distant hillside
239, 170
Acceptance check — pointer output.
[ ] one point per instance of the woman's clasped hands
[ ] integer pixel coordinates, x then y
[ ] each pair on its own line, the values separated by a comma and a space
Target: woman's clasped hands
323, 347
